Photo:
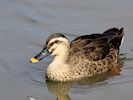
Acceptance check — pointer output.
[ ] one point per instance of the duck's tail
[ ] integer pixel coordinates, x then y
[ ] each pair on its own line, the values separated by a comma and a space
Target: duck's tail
115, 36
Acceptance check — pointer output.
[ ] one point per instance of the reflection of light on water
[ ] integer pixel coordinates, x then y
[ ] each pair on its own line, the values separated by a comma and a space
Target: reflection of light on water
31, 98
124, 57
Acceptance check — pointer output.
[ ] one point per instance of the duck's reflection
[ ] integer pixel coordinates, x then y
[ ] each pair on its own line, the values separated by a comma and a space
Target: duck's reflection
61, 90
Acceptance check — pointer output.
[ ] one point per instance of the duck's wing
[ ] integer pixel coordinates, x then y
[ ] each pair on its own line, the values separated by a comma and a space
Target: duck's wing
115, 36
95, 47
81, 41
92, 47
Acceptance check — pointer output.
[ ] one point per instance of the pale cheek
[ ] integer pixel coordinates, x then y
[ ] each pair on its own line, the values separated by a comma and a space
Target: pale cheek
53, 53
52, 48
56, 52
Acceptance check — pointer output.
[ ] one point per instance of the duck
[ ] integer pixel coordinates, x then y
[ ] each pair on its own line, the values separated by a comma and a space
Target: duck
85, 56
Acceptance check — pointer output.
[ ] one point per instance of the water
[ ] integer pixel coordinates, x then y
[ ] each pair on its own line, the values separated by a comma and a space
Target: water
24, 27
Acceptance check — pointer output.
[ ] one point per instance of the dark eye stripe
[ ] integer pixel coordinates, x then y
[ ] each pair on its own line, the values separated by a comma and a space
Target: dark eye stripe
56, 41
51, 44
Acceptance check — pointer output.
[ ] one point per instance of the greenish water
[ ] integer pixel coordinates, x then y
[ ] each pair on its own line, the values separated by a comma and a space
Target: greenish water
24, 27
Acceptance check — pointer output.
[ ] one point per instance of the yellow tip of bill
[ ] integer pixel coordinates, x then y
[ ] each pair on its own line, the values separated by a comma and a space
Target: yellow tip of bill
33, 60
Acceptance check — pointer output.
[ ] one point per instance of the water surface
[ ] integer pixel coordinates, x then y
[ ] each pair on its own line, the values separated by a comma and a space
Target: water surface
24, 27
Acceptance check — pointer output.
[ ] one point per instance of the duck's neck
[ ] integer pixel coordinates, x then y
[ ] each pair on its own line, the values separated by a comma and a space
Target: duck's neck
62, 56
59, 70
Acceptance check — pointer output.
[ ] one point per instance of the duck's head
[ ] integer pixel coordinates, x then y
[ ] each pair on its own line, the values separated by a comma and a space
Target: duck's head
56, 44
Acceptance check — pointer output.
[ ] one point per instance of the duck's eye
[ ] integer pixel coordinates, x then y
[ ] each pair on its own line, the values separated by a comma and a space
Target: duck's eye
51, 43
56, 41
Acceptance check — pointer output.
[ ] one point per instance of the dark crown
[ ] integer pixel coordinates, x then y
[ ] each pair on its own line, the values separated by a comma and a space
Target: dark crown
54, 35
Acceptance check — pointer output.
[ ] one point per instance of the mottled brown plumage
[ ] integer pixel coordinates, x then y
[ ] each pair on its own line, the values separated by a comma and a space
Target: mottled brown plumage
85, 56
96, 46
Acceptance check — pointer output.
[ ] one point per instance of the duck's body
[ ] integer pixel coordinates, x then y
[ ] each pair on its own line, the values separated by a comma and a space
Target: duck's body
85, 56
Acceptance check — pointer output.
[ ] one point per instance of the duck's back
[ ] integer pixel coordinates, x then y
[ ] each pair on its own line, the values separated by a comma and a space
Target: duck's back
95, 47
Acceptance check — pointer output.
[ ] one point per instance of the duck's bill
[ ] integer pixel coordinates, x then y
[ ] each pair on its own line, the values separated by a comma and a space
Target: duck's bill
44, 53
